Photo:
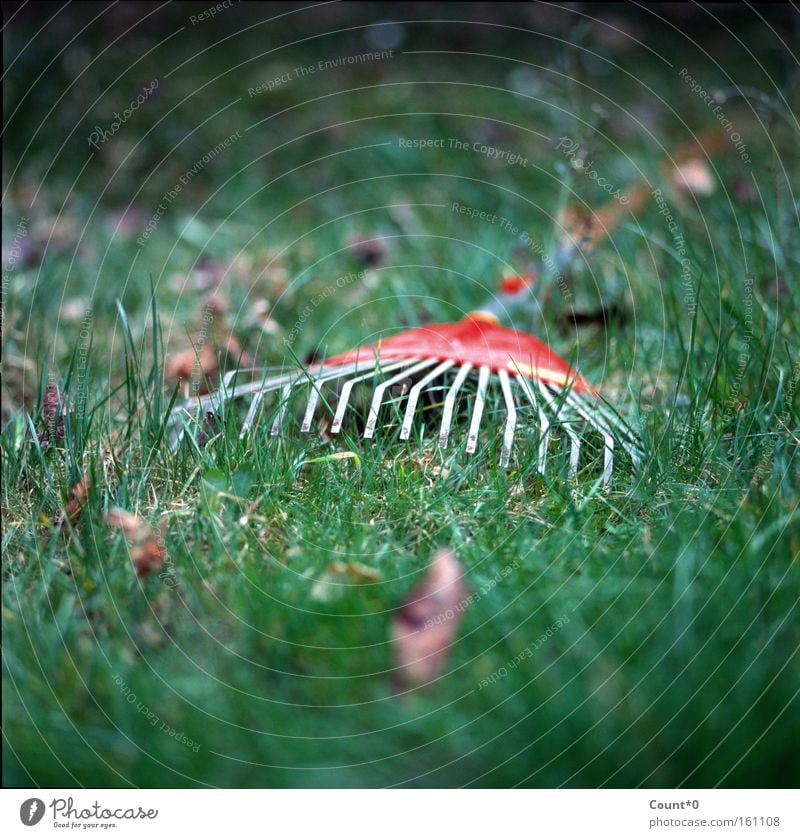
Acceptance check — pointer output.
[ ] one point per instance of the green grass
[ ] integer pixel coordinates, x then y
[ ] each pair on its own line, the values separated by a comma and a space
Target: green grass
678, 663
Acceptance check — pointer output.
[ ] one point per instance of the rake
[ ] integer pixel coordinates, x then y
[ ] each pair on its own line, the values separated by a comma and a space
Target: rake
453, 367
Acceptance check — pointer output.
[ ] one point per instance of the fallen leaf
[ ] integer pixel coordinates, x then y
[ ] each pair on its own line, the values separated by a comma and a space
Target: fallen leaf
146, 547
690, 171
76, 502
370, 252
216, 305
53, 418
259, 316
340, 575
193, 368
131, 525
424, 627
693, 176
198, 365
584, 228
148, 557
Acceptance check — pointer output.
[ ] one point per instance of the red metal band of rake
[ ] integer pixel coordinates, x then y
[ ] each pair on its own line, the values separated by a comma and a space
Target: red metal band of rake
478, 340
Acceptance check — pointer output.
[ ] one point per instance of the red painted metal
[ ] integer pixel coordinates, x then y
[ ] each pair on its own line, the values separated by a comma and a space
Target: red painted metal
478, 341
516, 284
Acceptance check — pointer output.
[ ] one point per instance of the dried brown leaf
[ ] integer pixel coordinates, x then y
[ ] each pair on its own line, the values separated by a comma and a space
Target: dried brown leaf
689, 170
75, 504
53, 418
146, 547
424, 627
216, 304
693, 176
584, 229
131, 525
197, 366
190, 366
148, 557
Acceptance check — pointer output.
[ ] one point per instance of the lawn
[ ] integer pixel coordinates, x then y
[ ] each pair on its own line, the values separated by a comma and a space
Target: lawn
642, 635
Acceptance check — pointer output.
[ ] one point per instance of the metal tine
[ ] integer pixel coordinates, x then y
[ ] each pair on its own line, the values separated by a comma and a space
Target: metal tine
212, 401
477, 410
252, 413
179, 418
449, 404
322, 378
628, 438
609, 420
575, 440
178, 424
311, 406
414, 394
597, 422
511, 421
259, 389
347, 388
177, 429
377, 398
231, 374
259, 396
284, 404
544, 424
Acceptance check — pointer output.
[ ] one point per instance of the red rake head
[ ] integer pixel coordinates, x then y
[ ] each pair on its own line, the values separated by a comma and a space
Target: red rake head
533, 382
